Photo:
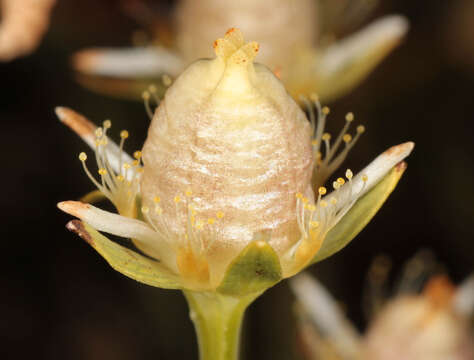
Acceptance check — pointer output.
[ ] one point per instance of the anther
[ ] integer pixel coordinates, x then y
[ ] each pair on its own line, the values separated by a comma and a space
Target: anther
333, 201
326, 110
326, 136
211, 221
124, 134
341, 181
365, 178
323, 203
146, 95
349, 174
137, 154
152, 89
311, 207
120, 178
314, 224
102, 172
98, 132
336, 185
166, 80
350, 117
220, 214
299, 195
82, 156
156, 199
322, 190
158, 210
107, 124
360, 129
145, 209
314, 97
177, 199
126, 166
188, 193
347, 138
314, 142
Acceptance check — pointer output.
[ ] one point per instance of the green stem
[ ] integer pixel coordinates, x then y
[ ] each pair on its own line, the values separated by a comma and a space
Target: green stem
217, 319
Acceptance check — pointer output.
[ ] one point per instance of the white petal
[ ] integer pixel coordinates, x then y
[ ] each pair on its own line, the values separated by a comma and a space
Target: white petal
375, 171
128, 62
325, 313
463, 302
121, 226
388, 29
86, 130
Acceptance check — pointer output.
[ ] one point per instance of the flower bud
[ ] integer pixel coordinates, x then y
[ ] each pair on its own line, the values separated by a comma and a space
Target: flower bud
226, 152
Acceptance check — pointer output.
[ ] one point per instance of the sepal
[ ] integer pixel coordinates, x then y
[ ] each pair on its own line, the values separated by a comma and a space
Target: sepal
254, 270
360, 214
126, 261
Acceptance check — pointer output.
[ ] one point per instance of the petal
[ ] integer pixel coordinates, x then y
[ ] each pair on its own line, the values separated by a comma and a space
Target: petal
86, 130
359, 215
126, 261
128, 62
124, 227
345, 64
463, 302
323, 310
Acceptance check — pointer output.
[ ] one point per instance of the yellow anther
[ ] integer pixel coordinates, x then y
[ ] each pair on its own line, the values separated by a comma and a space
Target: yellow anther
129, 183
82, 156
104, 142
322, 190
220, 214
177, 199
135, 163
188, 192
349, 117
311, 207
166, 80
365, 178
193, 212
140, 170
304, 200
314, 97
137, 154
333, 201
299, 195
145, 209
126, 166
326, 136
102, 172
158, 210
107, 124
120, 178
347, 138
156, 199
98, 132
314, 224
323, 203
152, 88
360, 129
146, 95
335, 185
124, 134
211, 221
319, 155
341, 181
326, 110
199, 225
314, 142
349, 174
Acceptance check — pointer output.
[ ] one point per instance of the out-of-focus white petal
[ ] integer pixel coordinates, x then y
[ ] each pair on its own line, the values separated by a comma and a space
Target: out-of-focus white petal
128, 62
325, 313
463, 302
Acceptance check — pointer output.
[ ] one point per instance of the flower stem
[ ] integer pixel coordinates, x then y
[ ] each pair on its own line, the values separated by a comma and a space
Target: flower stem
217, 319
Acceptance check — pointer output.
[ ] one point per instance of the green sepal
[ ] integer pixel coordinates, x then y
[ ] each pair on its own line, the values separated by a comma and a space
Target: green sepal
126, 261
359, 215
254, 270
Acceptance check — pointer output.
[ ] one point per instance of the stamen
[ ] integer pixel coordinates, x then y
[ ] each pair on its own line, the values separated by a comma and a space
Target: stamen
146, 99
166, 79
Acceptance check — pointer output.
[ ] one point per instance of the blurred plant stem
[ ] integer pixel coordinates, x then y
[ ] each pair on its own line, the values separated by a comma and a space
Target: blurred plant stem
217, 319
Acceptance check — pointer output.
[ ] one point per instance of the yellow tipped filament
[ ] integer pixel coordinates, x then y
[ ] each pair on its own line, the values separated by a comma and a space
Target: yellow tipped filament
365, 178
145, 209
82, 156
326, 110
341, 181
107, 124
156, 199
220, 214
188, 193
166, 79
177, 199
299, 195
322, 190
360, 129
349, 174
102, 172
137, 154
350, 117
124, 134
211, 221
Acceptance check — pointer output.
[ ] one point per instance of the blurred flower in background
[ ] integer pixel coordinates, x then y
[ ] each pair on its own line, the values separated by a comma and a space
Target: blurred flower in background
23, 24
427, 318
298, 42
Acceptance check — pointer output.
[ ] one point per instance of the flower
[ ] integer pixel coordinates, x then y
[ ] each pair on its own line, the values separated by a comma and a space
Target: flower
298, 44
22, 26
231, 170
431, 325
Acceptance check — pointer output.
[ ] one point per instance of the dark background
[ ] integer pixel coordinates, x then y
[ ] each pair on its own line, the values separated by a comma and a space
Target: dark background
59, 299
